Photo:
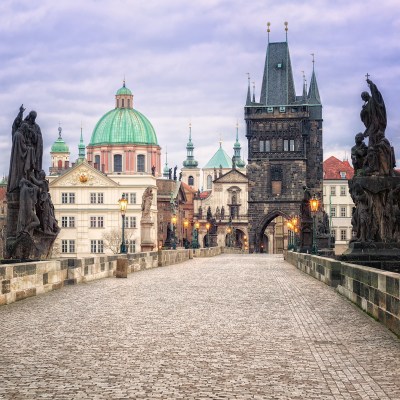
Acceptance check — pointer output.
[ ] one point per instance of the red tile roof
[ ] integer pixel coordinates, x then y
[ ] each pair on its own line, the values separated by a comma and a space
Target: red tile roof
205, 194
333, 167
188, 188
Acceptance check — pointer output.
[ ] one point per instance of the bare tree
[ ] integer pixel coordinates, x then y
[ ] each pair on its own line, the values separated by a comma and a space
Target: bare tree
112, 239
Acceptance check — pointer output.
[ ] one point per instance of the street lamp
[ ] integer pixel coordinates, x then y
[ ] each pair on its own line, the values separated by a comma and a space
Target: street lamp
314, 206
290, 228
173, 222
186, 224
123, 203
207, 240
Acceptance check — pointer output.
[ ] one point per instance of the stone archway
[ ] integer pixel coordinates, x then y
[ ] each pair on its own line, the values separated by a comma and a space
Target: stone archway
265, 240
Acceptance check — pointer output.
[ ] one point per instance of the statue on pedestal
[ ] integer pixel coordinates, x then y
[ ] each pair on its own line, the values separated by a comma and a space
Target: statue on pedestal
31, 223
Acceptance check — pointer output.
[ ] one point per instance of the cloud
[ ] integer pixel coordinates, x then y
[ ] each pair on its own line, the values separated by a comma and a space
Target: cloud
187, 61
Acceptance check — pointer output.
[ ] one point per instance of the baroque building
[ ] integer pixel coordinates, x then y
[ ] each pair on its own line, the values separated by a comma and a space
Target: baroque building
123, 158
284, 133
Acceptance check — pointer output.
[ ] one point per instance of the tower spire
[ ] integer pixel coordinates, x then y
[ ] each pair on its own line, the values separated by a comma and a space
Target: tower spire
248, 99
81, 147
286, 29
236, 150
313, 93
268, 29
254, 92
190, 162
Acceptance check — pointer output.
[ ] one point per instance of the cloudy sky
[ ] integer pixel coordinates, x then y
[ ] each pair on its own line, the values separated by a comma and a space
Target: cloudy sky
187, 62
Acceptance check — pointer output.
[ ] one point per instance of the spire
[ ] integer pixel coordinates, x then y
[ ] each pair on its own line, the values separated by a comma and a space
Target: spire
304, 88
236, 150
254, 92
313, 93
248, 99
268, 29
286, 29
190, 162
81, 148
277, 87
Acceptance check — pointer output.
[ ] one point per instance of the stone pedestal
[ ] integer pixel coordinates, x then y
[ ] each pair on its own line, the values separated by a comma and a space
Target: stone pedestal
122, 268
147, 243
379, 255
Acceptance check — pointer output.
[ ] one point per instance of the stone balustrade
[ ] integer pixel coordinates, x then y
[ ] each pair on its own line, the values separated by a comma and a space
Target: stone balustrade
22, 280
375, 291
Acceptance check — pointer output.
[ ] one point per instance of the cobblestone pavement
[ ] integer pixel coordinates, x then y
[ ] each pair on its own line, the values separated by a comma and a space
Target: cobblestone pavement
228, 327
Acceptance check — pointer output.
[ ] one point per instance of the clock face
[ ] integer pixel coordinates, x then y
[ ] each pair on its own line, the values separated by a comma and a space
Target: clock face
83, 177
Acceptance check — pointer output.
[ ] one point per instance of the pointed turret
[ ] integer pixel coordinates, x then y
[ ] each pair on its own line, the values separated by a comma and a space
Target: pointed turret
81, 149
304, 89
190, 162
313, 93
254, 92
248, 99
236, 151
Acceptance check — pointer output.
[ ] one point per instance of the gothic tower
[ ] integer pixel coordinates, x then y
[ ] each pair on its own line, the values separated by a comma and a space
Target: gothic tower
284, 133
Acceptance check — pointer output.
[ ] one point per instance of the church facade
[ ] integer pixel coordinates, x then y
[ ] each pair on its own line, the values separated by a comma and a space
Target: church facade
284, 133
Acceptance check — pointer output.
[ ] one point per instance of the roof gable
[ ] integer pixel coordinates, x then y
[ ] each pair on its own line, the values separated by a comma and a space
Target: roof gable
83, 174
333, 168
232, 176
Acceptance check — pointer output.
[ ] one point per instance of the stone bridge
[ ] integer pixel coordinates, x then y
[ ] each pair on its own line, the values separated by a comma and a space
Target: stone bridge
232, 326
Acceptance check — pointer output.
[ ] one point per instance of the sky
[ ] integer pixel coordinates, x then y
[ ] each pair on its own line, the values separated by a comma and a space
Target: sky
187, 62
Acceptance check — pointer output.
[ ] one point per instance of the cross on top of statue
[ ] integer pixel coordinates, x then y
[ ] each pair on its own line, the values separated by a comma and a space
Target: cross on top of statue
367, 76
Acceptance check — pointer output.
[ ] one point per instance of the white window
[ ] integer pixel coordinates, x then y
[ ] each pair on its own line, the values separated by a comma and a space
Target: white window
96, 222
68, 222
132, 222
291, 145
343, 175
67, 246
343, 212
67, 198
140, 163
131, 246
333, 211
132, 198
286, 145
343, 234
96, 198
343, 190
96, 246
333, 190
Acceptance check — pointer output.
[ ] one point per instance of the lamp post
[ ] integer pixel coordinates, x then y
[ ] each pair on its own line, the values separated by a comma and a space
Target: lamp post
295, 223
314, 205
186, 224
207, 237
290, 233
245, 242
173, 222
123, 203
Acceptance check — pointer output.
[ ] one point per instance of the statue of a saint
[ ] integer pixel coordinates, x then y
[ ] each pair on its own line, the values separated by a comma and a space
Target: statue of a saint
147, 199
359, 153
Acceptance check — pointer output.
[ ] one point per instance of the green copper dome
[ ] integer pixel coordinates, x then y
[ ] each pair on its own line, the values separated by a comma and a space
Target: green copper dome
123, 90
123, 126
59, 146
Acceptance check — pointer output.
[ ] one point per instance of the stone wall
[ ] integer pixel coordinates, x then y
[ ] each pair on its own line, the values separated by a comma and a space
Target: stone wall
19, 281
375, 291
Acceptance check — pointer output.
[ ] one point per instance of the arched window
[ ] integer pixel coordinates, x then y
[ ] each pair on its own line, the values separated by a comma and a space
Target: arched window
209, 182
117, 163
60, 164
140, 163
190, 180
117, 103
122, 100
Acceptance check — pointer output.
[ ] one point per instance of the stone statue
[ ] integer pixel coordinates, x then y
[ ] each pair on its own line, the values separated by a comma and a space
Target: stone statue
361, 219
44, 205
200, 212
217, 214
209, 213
153, 170
220, 171
359, 153
175, 168
170, 174
147, 199
31, 223
26, 150
380, 156
222, 212
180, 176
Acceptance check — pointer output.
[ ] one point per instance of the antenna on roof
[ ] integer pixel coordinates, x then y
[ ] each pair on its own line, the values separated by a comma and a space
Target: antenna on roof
286, 28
